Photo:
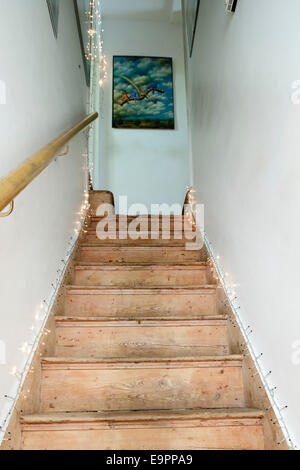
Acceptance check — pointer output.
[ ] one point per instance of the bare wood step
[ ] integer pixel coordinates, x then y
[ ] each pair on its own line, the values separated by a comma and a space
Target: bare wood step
126, 254
140, 276
96, 198
146, 216
139, 384
230, 429
147, 222
102, 301
142, 337
171, 238
91, 264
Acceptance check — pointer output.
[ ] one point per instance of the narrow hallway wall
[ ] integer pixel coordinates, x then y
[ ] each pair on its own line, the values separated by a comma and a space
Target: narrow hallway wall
45, 95
246, 144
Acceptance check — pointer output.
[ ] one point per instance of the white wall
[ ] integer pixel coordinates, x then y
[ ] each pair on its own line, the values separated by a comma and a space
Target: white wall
246, 147
46, 94
149, 166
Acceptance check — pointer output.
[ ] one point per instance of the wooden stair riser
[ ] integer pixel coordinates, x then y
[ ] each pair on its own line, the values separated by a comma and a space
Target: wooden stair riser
134, 239
83, 302
149, 338
141, 386
138, 255
229, 434
97, 198
146, 223
140, 276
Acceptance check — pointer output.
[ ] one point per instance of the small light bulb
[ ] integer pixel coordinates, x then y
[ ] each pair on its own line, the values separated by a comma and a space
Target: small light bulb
15, 371
24, 348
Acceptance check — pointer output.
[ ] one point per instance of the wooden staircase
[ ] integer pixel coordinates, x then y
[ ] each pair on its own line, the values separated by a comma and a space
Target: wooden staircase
142, 356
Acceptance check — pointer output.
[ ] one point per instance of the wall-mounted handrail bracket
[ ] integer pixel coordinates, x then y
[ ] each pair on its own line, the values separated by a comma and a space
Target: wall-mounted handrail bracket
10, 210
65, 153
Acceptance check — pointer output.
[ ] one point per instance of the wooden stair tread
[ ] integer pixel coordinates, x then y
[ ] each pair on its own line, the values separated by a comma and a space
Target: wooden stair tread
143, 216
140, 246
149, 231
158, 235
91, 264
143, 290
150, 248
143, 239
150, 416
234, 358
138, 253
180, 245
142, 319
140, 266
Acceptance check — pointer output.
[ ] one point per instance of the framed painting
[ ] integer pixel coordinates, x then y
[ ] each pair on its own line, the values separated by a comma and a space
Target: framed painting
80, 13
231, 5
191, 11
53, 7
143, 96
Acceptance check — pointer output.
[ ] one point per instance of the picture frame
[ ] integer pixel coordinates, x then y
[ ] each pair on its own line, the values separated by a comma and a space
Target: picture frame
231, 5
53, 7
191, 13
79, 7
143, 93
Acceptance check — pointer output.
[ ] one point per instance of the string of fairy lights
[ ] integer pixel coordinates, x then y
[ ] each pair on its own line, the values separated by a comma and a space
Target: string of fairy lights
94, 46
98, 69
233, 303
98, 66
38, 328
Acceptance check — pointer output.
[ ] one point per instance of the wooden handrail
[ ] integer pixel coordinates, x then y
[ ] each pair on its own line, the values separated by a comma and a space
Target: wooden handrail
19, 178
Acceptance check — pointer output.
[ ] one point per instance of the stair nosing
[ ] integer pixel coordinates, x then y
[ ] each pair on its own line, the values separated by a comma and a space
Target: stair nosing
144, 360
143, 232
135, 319
145, 415
139, 267
161, 216
204, 287
142, 264
138, 247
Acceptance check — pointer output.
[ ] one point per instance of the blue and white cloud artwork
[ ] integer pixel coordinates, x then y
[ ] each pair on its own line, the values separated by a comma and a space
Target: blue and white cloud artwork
143, 95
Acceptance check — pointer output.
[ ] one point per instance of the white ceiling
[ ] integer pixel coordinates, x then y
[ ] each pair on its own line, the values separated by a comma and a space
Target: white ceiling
149, 10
